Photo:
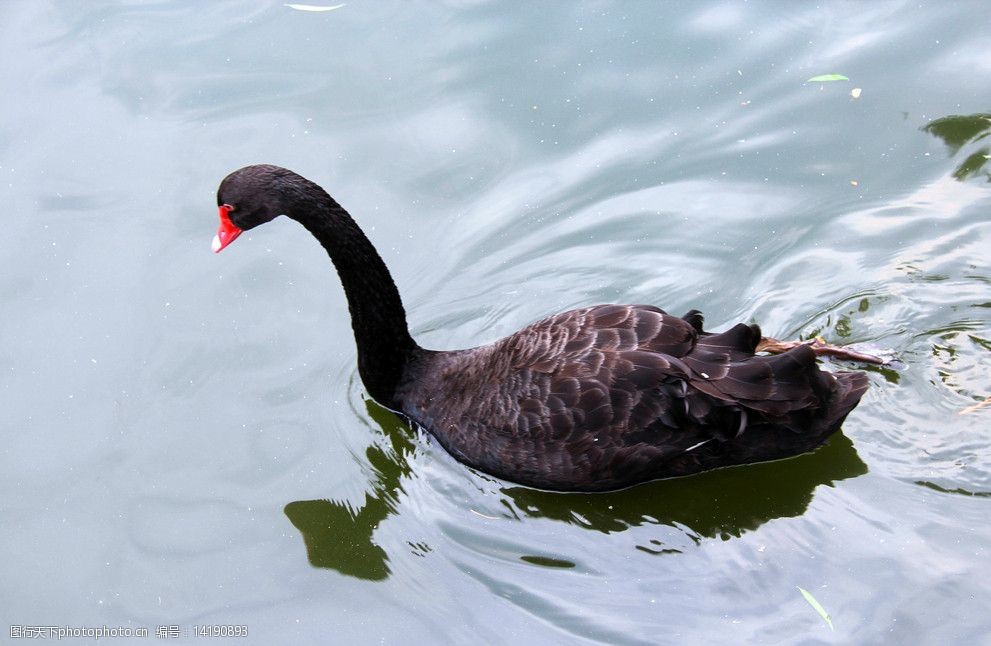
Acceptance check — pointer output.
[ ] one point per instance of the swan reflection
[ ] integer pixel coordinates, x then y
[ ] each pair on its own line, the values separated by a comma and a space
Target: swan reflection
719, 504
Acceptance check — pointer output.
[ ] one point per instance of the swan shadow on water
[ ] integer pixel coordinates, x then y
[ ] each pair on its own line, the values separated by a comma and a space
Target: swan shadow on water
724, 503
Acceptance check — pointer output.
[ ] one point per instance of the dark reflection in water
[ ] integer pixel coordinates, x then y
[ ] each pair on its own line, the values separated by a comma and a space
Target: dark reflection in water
724, 503
340, 537
959, 130
889, 371
958, 491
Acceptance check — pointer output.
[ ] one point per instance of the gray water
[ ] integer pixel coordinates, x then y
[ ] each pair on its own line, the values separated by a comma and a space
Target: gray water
185, 441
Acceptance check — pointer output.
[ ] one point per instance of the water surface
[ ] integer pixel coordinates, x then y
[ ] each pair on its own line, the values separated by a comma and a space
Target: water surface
186, 442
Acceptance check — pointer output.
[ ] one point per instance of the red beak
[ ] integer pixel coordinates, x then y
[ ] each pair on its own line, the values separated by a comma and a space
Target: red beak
227, 231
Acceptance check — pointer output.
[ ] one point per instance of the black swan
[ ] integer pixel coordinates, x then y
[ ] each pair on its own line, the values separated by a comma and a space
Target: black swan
594, 399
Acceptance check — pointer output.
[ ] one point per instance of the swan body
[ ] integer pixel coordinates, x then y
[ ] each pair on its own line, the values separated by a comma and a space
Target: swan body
591, 399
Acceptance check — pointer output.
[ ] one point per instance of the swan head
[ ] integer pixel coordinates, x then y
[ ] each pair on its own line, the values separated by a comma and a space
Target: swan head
248, 197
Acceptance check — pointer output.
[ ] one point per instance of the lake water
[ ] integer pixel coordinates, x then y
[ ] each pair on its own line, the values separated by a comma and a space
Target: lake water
186, 441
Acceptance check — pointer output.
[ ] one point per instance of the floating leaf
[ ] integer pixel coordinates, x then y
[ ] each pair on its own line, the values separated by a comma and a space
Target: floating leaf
817, 606
825, 78
314, 7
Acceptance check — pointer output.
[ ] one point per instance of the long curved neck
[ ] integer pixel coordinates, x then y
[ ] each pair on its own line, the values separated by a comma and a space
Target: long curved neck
377, 315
